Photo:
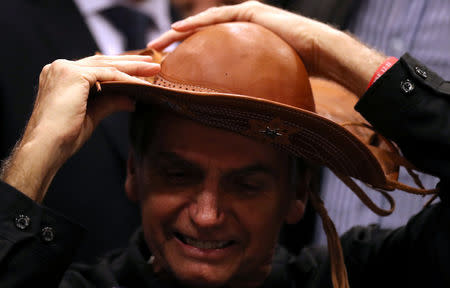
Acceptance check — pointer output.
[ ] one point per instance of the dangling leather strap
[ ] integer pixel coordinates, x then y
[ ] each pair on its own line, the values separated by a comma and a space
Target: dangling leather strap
366, 200
339, 276
398, 160
401, 161
412, 190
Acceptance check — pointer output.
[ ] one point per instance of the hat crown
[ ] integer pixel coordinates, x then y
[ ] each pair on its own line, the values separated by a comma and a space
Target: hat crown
241, 58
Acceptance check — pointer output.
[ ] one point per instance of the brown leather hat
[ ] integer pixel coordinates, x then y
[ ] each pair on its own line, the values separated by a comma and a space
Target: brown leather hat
244, 78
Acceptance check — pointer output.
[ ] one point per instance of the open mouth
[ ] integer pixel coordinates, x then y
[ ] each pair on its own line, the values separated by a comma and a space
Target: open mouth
203, 244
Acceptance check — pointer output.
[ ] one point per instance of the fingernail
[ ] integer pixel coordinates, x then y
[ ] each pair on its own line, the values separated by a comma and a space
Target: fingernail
151, 43
178, 24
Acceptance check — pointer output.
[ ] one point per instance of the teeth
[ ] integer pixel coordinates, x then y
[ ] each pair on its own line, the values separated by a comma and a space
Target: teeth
206, 244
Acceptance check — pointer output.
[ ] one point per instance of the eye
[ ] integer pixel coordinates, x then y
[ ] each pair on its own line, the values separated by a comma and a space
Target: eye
178, 175
172, 170
174, 174
251, 185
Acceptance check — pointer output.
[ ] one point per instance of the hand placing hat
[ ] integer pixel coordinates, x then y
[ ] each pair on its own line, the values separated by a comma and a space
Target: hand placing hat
326, 52
63, 117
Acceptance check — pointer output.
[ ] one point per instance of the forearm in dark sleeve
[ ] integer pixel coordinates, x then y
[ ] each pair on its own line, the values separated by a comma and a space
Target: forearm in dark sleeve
411, 105
36, 244
416, 255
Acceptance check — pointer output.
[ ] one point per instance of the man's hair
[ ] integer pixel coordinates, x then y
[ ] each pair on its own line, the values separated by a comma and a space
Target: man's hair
142, 124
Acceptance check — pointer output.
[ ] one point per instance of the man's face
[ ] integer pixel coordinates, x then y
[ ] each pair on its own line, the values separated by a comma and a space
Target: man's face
212, 202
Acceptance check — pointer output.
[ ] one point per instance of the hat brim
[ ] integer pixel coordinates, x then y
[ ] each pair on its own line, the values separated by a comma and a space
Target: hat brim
300, 132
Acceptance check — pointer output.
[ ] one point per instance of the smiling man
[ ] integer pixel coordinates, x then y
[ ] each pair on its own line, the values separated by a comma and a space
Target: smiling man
212, 204
224, 135
213, 201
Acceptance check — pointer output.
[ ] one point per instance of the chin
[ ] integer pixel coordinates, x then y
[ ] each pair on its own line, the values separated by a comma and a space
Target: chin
209, 278
203, 275
201, 283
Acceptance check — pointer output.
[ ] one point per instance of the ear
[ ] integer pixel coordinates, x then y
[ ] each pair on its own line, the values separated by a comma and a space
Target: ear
131, 181
297, 206
296, 211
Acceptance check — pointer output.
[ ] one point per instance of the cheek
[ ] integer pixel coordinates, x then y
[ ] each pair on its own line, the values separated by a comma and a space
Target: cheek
160, 212
159, 209
262, 220
154, 219
261, 224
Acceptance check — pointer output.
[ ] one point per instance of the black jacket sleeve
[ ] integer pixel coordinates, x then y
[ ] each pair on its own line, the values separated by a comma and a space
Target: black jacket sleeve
36, 244
411, 105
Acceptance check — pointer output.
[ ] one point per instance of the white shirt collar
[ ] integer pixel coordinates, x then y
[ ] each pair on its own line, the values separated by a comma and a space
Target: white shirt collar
88, 7
158, 10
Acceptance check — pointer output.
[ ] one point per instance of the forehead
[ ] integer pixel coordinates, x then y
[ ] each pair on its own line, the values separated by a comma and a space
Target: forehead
192, 140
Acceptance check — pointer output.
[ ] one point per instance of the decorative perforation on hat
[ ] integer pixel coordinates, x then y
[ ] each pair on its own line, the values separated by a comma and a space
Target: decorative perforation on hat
158, 80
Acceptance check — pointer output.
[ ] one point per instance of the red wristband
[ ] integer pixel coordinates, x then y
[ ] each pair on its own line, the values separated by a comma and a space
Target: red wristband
382, 69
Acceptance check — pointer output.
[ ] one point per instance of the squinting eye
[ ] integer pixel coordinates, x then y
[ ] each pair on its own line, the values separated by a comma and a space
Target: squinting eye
177, 176
250, 187
174, 173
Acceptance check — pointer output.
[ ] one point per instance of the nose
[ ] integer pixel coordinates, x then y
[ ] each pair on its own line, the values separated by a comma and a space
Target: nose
205, 210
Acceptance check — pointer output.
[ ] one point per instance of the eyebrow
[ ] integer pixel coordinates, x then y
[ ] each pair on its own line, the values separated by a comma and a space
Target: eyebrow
255, 168
175, 158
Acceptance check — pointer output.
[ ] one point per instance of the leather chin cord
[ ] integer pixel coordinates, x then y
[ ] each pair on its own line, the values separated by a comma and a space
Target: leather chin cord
339, 275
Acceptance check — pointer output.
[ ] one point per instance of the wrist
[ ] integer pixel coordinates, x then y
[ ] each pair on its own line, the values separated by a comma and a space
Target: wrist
347, 61
386, 65
32, 165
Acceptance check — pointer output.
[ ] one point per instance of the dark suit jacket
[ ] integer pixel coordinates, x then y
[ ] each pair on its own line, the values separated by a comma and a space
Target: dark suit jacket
89, 187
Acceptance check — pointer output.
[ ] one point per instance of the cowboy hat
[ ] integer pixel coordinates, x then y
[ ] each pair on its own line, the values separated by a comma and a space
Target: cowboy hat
244, 78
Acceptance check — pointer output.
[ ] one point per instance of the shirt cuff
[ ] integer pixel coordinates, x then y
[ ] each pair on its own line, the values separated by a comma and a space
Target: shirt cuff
22, 219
